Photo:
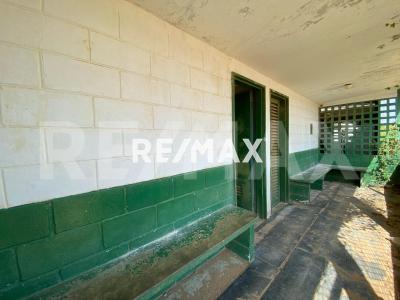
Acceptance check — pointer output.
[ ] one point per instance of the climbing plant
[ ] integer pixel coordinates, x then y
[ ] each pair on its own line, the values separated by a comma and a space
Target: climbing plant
384, 165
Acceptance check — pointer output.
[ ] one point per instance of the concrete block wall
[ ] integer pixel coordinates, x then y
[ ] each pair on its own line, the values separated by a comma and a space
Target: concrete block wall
106, 70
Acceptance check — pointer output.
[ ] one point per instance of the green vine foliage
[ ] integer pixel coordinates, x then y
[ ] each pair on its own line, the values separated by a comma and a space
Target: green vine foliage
383, 167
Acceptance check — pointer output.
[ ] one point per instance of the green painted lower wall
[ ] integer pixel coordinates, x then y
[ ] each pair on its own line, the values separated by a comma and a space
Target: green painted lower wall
303, 160
45, 243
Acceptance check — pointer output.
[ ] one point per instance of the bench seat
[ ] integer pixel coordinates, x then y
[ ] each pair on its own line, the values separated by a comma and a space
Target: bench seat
300, 184
149, 271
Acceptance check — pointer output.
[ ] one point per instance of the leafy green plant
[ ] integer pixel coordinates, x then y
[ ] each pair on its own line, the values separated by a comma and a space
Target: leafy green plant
384, 165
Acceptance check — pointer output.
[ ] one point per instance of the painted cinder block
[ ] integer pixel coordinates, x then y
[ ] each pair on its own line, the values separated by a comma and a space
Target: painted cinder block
225, 123
188, 183
175, 209
122, 55
122, 170
215, 176
9, 270
64, 38
143, 29
19, 66
49, 254
217, 104
26, 107
67, 74
144, 88
149, 193
101, 15
204, 121
29, 184
3, 202
216, 63
118, 114
129, 226
207, 197
34, 4
20, 146
75, 211
23, 224
92, 261
19, 25
185, 48
205, 81
170, 70
171, 118
69, 144
31, 286
29, 28
184, 97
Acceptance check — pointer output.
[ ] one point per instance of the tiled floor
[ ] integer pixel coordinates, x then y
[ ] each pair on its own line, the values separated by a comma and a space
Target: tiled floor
345, 244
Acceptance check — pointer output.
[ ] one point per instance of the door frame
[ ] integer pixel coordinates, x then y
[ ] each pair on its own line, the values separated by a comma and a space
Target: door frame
284, 180
261, 189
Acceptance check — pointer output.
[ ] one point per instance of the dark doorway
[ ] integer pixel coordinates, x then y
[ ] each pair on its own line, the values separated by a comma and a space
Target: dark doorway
249, 123
279, 147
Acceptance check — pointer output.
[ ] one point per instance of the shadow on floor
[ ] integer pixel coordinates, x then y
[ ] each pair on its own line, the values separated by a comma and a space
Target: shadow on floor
344, 245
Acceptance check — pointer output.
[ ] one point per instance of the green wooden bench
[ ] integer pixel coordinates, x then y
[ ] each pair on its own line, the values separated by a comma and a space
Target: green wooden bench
150, 270
301, 184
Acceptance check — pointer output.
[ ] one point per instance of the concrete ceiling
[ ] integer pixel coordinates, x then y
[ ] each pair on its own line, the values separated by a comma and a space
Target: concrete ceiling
314, 47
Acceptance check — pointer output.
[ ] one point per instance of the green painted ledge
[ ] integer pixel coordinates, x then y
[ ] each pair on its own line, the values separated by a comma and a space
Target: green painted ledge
45, 243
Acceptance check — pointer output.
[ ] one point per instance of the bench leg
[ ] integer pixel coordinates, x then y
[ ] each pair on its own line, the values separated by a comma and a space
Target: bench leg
318, 185
243, 245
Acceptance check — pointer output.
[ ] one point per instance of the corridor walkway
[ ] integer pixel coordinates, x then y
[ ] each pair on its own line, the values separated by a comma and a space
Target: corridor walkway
343, 245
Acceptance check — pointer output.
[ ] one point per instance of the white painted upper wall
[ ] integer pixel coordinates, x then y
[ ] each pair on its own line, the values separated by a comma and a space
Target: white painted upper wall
105, 72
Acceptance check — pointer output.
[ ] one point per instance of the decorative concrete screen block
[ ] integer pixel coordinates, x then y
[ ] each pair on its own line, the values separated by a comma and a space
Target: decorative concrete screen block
20, 146
37, 183
110, 52
185, 97
23, 107
19, 66
122, 114
144, 88
79, 76
100, 15
143, 29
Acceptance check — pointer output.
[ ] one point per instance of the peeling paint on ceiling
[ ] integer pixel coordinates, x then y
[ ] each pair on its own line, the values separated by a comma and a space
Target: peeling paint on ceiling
312, 46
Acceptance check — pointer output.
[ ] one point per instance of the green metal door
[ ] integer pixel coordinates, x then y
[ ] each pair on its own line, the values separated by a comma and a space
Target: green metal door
275, 151
244, 130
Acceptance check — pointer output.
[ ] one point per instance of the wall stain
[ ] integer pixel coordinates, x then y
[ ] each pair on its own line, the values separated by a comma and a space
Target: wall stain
395, 37
245, 11
381, 46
